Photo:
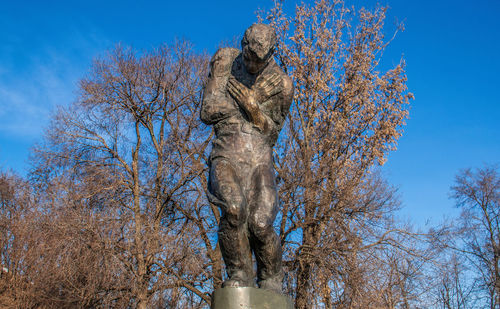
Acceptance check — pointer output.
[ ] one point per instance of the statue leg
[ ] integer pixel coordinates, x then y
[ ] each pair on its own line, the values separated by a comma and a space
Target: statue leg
264, 241
225, 186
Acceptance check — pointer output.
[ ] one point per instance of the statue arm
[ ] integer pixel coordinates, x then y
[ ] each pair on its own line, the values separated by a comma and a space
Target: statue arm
215, 105
276, 110
279, 110
248, 101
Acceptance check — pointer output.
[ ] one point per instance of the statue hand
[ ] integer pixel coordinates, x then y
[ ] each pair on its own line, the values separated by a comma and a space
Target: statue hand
267, 87
245, 97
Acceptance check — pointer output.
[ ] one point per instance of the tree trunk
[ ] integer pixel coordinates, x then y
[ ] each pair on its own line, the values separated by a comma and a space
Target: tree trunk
304, 271
142, 297
142, 290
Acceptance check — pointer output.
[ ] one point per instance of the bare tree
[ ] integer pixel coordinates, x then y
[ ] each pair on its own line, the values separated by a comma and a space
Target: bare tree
346, 116
455, 288
477, 193
11, 211
133, 148
52, 256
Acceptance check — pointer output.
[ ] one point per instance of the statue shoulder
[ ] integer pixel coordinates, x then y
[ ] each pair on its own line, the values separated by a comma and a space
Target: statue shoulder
227, 52
222, 61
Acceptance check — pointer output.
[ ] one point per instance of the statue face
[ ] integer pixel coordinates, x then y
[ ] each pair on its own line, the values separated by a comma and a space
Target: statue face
257, 47
253, 64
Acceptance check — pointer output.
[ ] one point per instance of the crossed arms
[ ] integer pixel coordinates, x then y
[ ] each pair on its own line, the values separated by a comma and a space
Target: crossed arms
249, 98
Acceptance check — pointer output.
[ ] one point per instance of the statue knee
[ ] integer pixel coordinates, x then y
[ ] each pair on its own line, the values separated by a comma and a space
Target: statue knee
235, 212
264, 212
260, 225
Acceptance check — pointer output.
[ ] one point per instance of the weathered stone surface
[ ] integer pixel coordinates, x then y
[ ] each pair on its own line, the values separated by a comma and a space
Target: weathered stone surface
249, 298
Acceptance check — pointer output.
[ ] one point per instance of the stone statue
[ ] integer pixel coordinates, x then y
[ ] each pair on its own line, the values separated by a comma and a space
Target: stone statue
247, 99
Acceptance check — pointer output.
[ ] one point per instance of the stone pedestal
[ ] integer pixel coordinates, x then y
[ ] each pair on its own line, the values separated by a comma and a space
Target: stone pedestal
249, 298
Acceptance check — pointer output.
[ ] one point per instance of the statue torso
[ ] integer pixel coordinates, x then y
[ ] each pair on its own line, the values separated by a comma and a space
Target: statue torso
236, 137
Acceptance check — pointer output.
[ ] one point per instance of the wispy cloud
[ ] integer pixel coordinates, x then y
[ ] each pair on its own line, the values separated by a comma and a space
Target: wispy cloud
35, 80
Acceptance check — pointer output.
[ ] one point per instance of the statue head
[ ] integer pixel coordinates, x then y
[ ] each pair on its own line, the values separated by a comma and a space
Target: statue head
258, 47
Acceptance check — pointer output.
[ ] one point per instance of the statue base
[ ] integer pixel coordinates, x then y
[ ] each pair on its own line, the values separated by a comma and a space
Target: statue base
249, 298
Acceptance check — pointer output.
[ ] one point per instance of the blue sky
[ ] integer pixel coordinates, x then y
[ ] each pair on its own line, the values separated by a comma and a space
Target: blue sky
451, 50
